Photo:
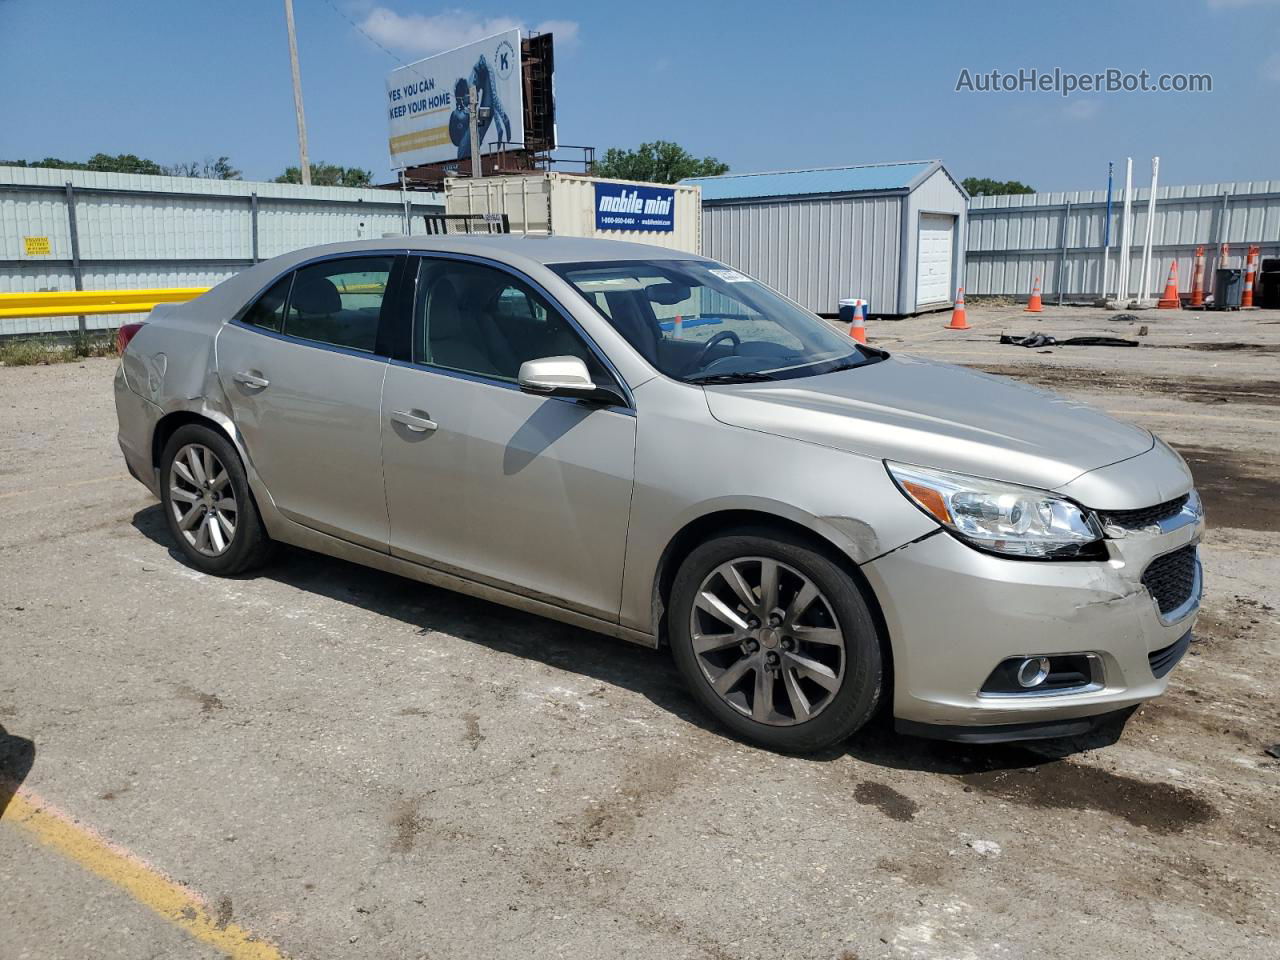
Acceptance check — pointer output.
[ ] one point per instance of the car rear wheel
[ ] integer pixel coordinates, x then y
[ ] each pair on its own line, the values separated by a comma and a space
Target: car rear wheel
775, 640
207, 504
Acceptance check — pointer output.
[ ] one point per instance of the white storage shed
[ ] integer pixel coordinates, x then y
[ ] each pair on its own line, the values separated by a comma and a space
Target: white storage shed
888, 233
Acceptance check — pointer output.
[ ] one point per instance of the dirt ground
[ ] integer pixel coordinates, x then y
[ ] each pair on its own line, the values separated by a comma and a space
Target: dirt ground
347, 764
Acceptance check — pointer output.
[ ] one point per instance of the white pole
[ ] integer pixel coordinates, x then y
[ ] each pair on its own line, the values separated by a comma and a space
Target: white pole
1106, 233
1151, 230
1120, 238
305, 164
404, 201
1144, 291
1122, 286
474, 121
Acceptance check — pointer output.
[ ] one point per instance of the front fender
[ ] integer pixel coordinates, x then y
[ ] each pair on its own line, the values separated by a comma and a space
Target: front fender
690, 466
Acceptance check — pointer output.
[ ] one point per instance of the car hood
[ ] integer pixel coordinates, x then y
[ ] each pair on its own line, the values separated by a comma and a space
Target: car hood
937, 415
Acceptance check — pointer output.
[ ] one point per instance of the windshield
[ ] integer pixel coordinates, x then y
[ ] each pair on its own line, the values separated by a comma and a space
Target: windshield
702, 322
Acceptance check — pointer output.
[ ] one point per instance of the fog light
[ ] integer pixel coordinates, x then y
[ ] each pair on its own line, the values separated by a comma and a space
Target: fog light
1033, 671
1042, 676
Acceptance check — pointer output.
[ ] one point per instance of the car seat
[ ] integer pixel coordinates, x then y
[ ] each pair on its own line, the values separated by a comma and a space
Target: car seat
462, 337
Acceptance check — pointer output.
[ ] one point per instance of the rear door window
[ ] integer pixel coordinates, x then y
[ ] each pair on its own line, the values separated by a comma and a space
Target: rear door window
340, 302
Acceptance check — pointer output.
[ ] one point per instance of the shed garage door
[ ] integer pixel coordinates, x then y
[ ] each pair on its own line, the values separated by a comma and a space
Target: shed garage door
933, 258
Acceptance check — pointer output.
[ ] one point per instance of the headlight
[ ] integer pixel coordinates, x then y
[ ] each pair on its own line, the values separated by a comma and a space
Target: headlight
1002, 517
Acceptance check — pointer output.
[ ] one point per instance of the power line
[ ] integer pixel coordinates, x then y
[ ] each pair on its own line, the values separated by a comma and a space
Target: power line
360, 30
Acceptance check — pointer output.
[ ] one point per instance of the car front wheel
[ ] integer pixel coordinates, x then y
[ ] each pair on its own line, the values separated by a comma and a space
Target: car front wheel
775, 640
207, 504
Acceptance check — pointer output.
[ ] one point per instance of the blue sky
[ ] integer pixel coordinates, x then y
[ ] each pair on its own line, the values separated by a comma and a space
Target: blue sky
761, 85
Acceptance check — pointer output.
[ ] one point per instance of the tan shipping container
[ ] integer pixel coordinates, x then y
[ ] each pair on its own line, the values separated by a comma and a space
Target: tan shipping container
564, 204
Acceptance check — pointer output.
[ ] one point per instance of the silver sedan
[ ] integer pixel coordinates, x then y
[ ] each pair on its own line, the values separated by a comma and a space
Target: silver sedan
656, 446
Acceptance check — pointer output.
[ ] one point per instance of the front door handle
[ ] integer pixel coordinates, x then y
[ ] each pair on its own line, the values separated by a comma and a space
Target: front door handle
417, 422
251, 380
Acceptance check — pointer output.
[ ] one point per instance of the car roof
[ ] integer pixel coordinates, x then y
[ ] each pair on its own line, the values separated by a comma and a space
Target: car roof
511, 248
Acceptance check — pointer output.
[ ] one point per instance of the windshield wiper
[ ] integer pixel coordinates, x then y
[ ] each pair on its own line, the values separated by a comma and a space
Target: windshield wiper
869, 358
745, 377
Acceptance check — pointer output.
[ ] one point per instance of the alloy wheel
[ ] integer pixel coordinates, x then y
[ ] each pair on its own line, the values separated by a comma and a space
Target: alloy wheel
767, 641
203, 499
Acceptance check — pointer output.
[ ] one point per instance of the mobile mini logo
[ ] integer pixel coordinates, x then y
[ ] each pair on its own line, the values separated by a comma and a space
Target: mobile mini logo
632, 202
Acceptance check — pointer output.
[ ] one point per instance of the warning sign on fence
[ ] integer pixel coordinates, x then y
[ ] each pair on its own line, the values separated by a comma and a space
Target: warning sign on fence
36, 246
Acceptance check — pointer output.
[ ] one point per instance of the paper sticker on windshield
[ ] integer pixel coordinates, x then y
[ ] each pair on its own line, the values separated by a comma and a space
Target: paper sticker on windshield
732, 276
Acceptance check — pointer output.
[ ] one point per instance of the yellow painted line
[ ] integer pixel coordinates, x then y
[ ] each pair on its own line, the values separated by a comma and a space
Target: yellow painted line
145, 884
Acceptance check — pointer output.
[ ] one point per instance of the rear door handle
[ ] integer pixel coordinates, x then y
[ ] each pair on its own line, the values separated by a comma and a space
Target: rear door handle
250, 380
417, 422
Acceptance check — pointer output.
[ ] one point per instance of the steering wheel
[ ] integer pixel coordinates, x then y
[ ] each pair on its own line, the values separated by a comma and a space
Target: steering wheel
718, 338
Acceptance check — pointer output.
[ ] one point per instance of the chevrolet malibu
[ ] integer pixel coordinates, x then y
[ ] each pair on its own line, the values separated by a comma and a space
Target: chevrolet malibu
654, 446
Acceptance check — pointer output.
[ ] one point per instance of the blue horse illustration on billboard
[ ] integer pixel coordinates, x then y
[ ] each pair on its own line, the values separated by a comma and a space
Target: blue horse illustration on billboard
491, 108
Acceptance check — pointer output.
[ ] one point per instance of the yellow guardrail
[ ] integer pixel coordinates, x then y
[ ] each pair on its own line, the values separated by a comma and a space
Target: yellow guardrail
73, 303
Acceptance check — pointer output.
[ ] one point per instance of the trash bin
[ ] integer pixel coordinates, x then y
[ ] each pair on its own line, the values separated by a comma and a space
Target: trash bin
849, 307
1228, 287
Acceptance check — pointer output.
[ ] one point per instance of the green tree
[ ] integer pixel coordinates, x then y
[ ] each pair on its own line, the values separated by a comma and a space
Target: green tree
329, 175
986, 187
208, 169
104, 162
123, 163
659, 162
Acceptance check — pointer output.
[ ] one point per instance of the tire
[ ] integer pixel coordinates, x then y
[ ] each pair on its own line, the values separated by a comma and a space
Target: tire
850, 680
224, 553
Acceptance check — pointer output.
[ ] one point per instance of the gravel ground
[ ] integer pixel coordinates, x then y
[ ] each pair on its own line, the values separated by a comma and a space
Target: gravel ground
354, 765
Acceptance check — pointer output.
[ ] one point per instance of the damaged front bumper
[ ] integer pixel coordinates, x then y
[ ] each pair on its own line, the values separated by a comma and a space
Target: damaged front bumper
954, 614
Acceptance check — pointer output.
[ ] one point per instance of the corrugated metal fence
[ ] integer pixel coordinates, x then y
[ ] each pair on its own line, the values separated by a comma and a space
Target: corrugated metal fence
75, 229
1058, 236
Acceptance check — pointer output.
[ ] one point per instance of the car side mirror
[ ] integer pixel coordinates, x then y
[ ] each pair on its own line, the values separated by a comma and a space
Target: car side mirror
563, 377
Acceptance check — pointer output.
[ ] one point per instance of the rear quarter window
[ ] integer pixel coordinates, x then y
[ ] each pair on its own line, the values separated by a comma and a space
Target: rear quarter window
268, 311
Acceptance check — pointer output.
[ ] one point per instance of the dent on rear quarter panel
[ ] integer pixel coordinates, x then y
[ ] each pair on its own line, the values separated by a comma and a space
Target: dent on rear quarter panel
171, 361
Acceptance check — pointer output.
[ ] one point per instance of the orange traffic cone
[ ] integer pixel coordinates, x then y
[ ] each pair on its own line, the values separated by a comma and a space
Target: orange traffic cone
1197, 279
958, 319
1170, 299
1033, 303
1251, 267
858, 329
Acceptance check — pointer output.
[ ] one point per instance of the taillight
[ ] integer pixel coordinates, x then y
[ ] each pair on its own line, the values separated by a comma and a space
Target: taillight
126, 333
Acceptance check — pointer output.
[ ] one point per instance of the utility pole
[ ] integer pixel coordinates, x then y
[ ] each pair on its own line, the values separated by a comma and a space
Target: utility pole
476, 171
305, 165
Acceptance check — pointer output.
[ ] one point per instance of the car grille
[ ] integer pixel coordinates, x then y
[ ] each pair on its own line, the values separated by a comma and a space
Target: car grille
1162, 661
1171, 578
1144, 517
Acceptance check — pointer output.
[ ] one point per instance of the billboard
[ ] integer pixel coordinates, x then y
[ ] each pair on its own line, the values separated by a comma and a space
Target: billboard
428, 102
625, 206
